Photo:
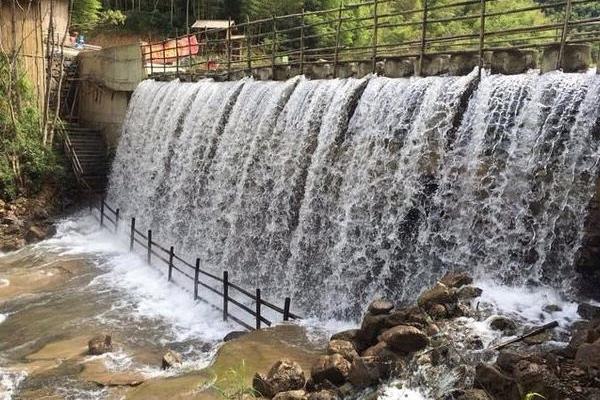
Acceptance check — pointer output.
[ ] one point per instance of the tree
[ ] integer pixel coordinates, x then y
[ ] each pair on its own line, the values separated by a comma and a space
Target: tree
86, 14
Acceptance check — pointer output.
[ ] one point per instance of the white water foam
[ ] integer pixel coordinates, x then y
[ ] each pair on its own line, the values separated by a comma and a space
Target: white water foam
3, 318
396, 391
9, 382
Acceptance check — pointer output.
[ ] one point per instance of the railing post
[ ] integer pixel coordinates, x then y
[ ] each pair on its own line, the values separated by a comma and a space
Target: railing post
481, 35
207, 50
229, 49
177, 53
101, 212
149, 257
563, 37
286, 309
164, 57
423, 39
132, 234
337, 41
248, 45
225, 295
302, 45
117, 212
196, 276
375, 32
258, 304
151, 59
273, 48
171, 256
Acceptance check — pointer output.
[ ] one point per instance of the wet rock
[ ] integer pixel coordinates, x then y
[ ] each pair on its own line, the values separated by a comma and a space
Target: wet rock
432, 330
234, 335
342, 347
537, 378
286, 375
171, 359
473, 394
588, 332
456, 279
346, 390
333, 368
12, 244
551, 308
413, 316
437, 311
474, 343
323, 395
439, 294
503, 324
508, 359
99, 345
588, 358
35, 233
11, 219
349, 335
405, 339
588, 311
312, 386
380, 306
494, 382
291, 395
469, 292
371, 327
364, 372
262, 386
538, 339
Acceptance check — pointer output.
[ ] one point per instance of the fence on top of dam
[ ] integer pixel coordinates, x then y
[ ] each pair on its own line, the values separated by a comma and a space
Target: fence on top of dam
372, 36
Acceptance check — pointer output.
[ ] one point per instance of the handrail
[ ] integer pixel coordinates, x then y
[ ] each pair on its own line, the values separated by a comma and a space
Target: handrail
281, 40
112, 215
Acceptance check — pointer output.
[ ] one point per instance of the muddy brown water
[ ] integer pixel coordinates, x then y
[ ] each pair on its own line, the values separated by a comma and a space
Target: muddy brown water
55, 296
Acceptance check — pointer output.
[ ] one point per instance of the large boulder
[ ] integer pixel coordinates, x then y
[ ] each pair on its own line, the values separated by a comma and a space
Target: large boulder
99, 345
261, 385
469, 292
456, 279
537, 378
342, 347
324, 395
588, 358
291, 395
413, 316
171, 359
349, 335
371, 327
405, 339
380, 306
35, 233
333, 368
504, 324
364, 372
588, 311
494, 382
286, 375
473, 394
439, 294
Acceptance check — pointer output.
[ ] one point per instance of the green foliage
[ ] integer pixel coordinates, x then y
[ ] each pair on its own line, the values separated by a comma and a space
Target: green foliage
24, 161
86, 14
112, 18
533, 396
233, 385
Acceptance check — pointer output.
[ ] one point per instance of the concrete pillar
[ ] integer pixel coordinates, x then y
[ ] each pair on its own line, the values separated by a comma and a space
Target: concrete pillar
576, 58
262, 74
347, 70
282, 73
322, 70
513, 61
462, 63
399, 67
434, 65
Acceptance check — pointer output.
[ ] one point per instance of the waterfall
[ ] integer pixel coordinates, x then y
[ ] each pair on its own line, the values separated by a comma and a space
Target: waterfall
338, 191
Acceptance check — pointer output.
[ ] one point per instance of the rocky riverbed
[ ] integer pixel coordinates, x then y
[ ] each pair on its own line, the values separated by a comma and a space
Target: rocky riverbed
82, 318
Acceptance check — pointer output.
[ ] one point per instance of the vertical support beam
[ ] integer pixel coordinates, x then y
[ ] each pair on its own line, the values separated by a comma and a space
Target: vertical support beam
101, 212
302, 44
274, 47
177, 53
229, 48
423, 39
149, 255
337, 41
207, 49
171, 256
563, 37
258, 304
164, 57
225, 295
196, 276
117, 215
151, 59
248, 46
286, 309
481, 35
375, 32
132, 234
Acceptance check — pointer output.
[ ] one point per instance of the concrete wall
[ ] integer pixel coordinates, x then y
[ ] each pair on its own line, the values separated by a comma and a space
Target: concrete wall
109, 77
118, 68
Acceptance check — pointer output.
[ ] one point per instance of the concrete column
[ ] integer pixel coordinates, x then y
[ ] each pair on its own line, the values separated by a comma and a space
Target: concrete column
399, 67
576, 58
513, 61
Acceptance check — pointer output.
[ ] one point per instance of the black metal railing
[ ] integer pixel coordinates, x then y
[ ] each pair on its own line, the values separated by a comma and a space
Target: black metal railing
249, 302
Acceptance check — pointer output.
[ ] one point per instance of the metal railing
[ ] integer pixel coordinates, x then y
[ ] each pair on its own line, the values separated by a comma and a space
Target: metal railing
249, 302
337, 36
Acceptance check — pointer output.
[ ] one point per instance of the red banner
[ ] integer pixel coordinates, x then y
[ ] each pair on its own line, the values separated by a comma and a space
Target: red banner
166, 52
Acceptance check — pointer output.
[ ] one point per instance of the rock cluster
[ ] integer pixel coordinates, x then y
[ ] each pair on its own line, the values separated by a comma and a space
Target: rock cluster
388, 339
99, 345
25, 220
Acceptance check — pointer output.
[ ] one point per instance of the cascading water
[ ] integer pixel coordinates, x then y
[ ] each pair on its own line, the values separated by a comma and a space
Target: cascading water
337, 191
